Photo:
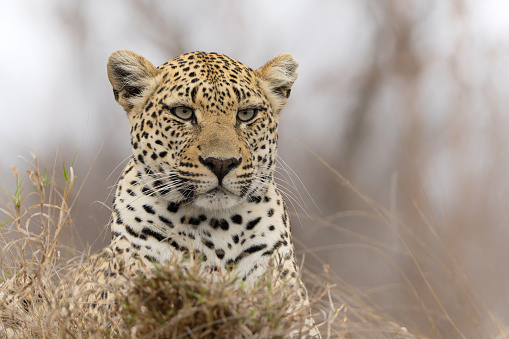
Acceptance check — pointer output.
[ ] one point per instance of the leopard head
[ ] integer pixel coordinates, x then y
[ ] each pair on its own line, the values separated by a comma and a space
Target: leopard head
203, 125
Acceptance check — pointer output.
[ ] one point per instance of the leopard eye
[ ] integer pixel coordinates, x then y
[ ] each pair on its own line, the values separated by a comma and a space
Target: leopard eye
182, 112
246, 115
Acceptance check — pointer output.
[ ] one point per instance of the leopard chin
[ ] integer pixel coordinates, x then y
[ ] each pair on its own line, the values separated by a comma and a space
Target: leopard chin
217, 199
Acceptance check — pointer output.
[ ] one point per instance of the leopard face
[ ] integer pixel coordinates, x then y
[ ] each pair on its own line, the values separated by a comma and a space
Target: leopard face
203, 125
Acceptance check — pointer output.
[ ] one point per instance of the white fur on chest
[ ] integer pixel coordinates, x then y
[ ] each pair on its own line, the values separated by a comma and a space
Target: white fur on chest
243, 238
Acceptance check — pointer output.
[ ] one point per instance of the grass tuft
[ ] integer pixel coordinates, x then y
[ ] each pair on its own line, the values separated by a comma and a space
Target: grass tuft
180, 302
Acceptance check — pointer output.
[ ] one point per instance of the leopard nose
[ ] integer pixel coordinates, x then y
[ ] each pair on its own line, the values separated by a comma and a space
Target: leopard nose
220, 167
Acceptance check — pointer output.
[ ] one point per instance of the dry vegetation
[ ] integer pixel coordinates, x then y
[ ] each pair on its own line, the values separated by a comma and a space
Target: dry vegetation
42, 296
435, 284
48, 290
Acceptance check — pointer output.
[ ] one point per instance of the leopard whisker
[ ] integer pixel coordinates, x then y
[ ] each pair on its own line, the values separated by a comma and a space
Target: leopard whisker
285, 164
291, 197
290, 191
154, 192
286, 192
286, 172
158, 177
112, 188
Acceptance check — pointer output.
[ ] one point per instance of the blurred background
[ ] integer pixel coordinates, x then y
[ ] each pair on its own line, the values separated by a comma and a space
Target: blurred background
406, 100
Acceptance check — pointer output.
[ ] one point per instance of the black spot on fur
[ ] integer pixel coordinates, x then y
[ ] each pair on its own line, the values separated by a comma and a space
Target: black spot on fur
208, 243
215, 223
230, 264
151, 258
149, 209
251, 224
147, 191
131, 231
140, 159
191, 221
254, 199
224, 225
173, 207
220, 253
237, 219
166, 221
193, 92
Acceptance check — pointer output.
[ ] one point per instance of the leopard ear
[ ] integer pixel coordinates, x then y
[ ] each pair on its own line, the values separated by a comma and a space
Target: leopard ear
131, 77
278, 76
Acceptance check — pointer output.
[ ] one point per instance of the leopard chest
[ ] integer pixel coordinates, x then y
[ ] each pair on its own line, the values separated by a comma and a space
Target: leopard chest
241, 239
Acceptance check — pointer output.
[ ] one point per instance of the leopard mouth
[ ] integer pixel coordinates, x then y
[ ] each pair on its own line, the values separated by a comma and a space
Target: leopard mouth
217, 198
219, 192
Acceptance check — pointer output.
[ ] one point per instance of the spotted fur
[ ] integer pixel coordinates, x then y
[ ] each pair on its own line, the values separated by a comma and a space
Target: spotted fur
201, 179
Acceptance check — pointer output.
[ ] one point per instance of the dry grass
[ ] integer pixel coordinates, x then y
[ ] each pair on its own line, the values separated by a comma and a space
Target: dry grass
441, 298
177, 303
48, 289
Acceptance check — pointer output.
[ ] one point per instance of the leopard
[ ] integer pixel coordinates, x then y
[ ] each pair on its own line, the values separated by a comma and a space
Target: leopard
201, 179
